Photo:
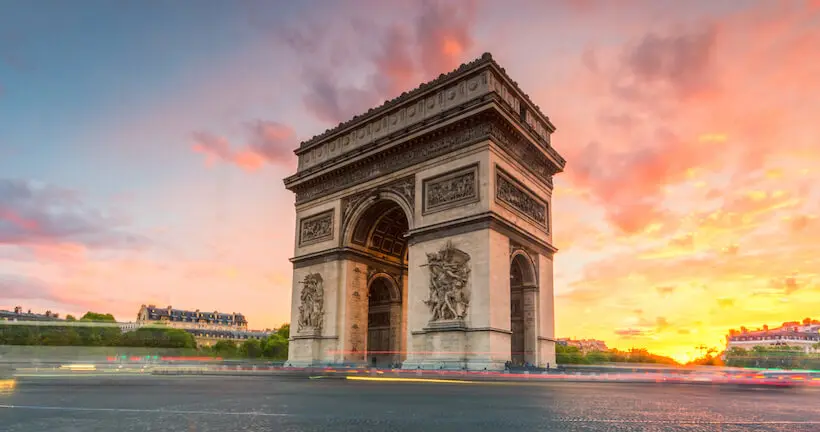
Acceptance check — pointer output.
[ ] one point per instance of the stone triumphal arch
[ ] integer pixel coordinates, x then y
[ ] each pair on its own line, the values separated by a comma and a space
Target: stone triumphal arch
423, 233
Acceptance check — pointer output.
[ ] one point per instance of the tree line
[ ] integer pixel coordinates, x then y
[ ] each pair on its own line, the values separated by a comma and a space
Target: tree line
565, 354
773, 357
274, 346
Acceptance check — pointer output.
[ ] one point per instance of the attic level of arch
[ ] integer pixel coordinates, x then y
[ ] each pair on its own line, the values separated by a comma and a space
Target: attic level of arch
382, 158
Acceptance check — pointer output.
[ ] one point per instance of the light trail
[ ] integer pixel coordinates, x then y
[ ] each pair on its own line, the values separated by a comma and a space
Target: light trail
142, 410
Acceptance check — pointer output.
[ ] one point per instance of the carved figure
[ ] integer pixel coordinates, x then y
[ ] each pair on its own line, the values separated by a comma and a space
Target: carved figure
311, 309
449, 272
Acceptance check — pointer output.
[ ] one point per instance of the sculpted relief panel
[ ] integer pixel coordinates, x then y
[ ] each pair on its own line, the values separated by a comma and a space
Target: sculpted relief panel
316, 228
311, 308
451, 189
449, 274
515, 196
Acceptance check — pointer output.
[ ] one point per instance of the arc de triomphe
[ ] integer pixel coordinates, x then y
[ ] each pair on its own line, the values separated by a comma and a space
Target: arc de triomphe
423, 232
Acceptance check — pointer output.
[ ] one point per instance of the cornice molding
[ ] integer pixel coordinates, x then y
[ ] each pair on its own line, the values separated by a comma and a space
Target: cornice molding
454, 91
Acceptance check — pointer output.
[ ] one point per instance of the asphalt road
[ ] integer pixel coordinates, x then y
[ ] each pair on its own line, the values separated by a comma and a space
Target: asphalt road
150, 403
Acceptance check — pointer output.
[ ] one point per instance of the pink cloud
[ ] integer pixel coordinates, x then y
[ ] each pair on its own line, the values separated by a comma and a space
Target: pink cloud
440, 38
444, 35
269, 142
43, 215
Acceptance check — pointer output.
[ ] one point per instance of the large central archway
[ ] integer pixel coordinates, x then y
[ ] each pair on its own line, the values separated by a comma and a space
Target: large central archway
379, 231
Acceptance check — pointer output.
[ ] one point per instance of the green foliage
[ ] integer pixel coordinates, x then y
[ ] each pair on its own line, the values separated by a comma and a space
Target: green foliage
56, 335
158, 338
98, 317
251, 348
572, 355
274, 347
772, 357
70, 317
284, 331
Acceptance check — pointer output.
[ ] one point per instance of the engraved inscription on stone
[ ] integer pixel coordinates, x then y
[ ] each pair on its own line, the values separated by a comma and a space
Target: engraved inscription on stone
312, 304
520, 200
451, 189
449, 273
316, 228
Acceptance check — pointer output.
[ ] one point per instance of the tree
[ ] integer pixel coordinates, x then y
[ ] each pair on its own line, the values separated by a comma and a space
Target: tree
565, 354
70, 317
225, 348
251, 348
98, 317
708, 358
284, 331
275, 346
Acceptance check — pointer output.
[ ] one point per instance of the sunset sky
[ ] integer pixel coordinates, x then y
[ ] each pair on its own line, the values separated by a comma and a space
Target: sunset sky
143, 146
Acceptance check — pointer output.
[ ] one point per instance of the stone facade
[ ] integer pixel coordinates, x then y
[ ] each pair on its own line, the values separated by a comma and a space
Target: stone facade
427, 221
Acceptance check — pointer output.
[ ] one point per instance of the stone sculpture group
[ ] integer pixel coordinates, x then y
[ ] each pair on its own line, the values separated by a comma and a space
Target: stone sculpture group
449, 273
311, 309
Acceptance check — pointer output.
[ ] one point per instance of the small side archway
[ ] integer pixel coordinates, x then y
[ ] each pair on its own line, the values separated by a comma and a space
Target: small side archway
384, 310
523, 296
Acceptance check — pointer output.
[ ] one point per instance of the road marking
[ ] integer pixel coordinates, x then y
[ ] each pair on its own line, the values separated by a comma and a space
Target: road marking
144, 410
424, 380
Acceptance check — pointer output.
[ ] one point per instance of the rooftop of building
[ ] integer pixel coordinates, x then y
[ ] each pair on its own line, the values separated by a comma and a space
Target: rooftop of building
19, 314
155, 312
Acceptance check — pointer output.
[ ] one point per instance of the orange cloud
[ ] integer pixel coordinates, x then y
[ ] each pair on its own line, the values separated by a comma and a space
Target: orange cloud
648, 103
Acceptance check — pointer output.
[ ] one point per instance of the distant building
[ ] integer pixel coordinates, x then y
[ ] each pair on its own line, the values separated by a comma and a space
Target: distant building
19, 315
585, 345
804, 335
206, 327
128, 326
196, 319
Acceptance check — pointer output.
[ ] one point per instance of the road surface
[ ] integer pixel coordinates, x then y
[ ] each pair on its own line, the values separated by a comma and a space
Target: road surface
201, 404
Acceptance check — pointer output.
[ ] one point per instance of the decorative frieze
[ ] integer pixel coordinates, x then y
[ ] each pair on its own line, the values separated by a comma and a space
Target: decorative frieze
470, 82
525, 153
316, 228
399, 114
428, 147
452, 189
406, 156
520, 199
